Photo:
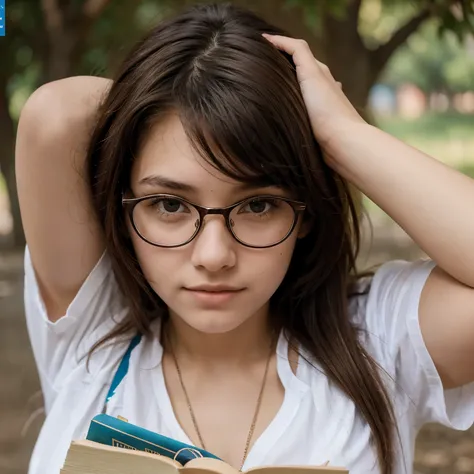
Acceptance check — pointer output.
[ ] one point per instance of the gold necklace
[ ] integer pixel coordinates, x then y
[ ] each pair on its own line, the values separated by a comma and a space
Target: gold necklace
255, 416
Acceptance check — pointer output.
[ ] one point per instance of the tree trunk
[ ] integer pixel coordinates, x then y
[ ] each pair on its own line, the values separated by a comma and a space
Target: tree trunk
352, 67
7, 164
60, 62
66, 28
60, 30
290, 18
338, 44
347, 56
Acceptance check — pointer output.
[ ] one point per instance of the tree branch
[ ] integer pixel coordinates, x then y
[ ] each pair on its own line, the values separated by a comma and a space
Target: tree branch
354, 10
289, 18
382, 54
93, 8
350, 20
345, 29
91, 11
53, 17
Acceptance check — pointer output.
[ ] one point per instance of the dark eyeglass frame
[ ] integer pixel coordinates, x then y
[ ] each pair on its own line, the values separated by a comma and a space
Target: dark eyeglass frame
297, 206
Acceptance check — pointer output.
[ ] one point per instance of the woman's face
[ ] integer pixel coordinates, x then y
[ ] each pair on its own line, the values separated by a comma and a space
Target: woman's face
214, 258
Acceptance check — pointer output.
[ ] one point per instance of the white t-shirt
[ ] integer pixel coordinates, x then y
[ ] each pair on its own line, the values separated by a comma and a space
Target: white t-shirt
315, 423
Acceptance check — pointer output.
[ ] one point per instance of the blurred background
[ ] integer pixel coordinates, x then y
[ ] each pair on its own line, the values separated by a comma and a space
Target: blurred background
408, 65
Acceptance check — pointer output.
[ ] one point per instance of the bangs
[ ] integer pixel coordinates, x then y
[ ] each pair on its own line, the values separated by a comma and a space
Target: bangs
242, 147
228, 160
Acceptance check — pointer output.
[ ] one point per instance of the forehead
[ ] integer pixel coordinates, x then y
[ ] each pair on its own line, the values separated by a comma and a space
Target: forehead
168, 152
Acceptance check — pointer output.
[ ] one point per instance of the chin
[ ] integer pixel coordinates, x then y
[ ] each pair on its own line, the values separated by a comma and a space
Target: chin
213, 322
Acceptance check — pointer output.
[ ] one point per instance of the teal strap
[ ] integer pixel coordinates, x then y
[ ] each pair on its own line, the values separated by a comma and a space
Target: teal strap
122, 369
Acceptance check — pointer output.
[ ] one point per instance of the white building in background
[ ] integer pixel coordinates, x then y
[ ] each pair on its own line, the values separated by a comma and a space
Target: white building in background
383, 100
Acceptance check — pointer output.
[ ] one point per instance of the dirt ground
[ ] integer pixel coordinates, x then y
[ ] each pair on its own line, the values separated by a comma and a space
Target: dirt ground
439, 450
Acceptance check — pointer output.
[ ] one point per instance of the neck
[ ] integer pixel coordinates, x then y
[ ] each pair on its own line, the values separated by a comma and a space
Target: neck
248, 342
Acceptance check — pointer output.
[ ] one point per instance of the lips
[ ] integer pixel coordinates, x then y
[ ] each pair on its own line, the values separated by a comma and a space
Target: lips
214, 288
213, 297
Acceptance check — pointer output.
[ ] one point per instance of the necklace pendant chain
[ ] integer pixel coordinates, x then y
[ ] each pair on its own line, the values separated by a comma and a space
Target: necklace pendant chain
255, 416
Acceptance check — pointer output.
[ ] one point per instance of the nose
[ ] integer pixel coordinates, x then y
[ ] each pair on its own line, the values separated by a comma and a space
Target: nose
214, 247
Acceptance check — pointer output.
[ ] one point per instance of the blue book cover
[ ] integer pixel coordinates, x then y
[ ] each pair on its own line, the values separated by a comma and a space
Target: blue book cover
106, 429
2, 18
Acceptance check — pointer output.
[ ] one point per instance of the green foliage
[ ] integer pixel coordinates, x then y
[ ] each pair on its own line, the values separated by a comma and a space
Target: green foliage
21, 51
459, 72
105, 47
446, 136
378, 19
434, 126
335, 7
24, 49
123, 22
22, 44
467, 169
433, 63
459, 20
316, 9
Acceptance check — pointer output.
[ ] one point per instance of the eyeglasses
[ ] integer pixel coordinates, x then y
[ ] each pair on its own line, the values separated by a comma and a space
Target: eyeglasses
165, 220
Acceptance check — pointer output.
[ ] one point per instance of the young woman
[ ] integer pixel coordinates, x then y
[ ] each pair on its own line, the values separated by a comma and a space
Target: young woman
204, 207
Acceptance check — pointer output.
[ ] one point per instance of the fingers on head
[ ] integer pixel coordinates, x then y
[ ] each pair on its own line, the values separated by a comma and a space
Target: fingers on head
303, 44
300, 50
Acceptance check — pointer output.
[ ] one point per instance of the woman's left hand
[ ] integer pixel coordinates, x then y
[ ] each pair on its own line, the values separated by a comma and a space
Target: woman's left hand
328, 108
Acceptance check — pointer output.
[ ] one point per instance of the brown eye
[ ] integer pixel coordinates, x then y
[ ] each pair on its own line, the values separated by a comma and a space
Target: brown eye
171, 205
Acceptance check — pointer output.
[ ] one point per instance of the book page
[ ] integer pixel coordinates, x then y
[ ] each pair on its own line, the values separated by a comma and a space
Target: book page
214, 466
88, 457
207, 466
298, 470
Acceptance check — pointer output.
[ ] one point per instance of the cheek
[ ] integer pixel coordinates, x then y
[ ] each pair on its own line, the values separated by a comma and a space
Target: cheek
268, 268
156, 263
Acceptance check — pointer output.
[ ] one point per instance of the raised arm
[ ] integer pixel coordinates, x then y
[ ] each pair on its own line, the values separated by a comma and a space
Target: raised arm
62, 232
429, 200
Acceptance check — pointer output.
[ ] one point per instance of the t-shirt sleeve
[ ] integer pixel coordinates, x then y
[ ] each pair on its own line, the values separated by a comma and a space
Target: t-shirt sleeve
59, 347
392, 318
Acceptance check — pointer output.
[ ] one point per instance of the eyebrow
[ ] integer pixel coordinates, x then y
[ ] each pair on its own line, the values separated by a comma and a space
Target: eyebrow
173, 185
161, 181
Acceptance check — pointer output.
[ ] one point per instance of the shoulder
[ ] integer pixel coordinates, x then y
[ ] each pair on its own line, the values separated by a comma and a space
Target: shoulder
394, 282
385, 306
61, 347
65, 102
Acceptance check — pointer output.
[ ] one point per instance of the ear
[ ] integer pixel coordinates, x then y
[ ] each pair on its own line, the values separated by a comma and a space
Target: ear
304, 229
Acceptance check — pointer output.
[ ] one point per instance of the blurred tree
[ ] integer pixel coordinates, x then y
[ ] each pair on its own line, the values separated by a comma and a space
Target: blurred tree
433, 65
44, 41
357, 38
66, 26
459, 73
21, 48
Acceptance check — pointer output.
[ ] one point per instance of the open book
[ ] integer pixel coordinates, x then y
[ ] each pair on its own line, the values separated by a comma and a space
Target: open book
89, 457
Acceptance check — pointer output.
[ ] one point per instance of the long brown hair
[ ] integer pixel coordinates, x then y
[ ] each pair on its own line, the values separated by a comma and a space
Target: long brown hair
240, 104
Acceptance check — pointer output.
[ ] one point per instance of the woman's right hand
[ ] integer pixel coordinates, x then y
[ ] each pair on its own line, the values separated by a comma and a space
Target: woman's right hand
62, 232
